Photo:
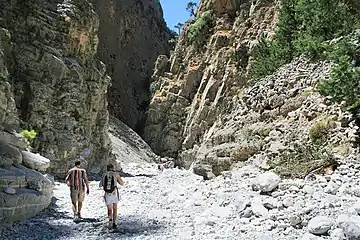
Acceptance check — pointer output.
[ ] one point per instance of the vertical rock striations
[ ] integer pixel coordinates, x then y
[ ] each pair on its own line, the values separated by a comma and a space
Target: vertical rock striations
132, 34
205, 113
205, 74
59, 86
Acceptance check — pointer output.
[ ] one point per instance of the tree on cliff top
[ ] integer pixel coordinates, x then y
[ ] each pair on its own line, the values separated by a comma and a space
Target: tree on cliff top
191, 6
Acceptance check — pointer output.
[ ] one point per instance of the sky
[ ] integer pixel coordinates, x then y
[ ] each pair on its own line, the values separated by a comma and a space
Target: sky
175, 11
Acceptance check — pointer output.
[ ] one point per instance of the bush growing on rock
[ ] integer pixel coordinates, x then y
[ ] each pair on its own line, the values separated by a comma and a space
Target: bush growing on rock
302, 160
320, 130
200, 29
28, 135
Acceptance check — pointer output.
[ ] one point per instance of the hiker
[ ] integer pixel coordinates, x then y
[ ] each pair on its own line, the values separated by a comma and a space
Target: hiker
111, 197
76, 179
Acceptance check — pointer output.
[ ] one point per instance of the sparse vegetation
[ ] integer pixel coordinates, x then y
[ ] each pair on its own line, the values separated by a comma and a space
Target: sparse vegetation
200, 29
303, 160
179, 27
320, 130
29, 136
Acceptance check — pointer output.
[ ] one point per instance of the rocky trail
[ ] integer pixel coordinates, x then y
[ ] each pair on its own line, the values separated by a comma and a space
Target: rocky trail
242, 204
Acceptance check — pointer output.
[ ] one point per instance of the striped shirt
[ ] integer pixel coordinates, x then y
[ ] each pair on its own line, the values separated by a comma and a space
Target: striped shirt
76, 177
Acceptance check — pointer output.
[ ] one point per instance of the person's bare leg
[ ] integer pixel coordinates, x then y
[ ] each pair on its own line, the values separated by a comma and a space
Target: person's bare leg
74, 207
79, 208
115, 213
110, 211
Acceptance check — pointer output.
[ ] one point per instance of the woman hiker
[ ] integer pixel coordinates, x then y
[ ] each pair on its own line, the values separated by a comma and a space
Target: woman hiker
109, 183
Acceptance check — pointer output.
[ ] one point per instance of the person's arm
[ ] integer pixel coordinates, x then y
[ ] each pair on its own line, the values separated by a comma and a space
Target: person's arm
101, 183
119, 180
86, 182
67, 178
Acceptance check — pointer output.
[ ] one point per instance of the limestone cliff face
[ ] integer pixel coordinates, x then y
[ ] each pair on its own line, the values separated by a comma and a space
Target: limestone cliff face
204, 113
202, 82
58, 85
132, 34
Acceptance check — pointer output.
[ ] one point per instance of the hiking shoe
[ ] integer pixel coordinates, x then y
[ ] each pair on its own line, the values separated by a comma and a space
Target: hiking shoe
110, 223
79, 215
76, 217
114, 225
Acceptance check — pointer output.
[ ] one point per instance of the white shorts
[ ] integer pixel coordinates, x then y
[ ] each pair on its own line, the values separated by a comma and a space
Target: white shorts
110, 199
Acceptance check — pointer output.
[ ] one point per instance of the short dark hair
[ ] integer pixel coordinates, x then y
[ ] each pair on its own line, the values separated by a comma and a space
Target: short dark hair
77, 163
110, 167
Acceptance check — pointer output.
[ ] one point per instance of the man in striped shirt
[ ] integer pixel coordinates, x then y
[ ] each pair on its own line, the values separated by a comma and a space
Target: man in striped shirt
76, 179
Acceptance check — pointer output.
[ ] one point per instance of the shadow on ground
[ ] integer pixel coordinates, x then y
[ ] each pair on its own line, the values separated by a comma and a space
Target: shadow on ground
49, 224
56, 224
125, 174
133, 226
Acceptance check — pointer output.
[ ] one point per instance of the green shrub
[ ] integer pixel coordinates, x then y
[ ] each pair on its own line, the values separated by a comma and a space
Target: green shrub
303, 28
269, 57
29, 136
311, 47
200, 29
344, 82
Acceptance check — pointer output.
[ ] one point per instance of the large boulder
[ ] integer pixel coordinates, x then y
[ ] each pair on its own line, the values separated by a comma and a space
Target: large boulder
35, 161
320, 225
13, 139
266, 182
23, 193
9, 155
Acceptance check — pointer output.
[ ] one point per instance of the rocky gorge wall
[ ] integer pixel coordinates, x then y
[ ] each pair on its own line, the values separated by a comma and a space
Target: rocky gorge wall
202, 79
59, 87
132, 34
24, 192
206, 114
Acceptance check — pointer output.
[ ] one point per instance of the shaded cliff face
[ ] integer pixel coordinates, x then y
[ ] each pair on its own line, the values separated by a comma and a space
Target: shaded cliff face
132, 34
59, 87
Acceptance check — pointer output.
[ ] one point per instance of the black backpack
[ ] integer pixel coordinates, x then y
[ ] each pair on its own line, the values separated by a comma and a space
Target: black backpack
112, 184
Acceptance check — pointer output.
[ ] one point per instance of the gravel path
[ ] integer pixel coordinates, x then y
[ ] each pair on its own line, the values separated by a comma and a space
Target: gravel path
176, 204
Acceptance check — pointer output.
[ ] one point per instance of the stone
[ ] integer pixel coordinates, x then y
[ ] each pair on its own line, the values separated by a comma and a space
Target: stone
35, 161
320, 225
337, 234
258, 209
14, 140
332, 188
356, 207
247, 213
308, 189
9, 155
266, 182
309, 236
351, 229
9, 190
24, 204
